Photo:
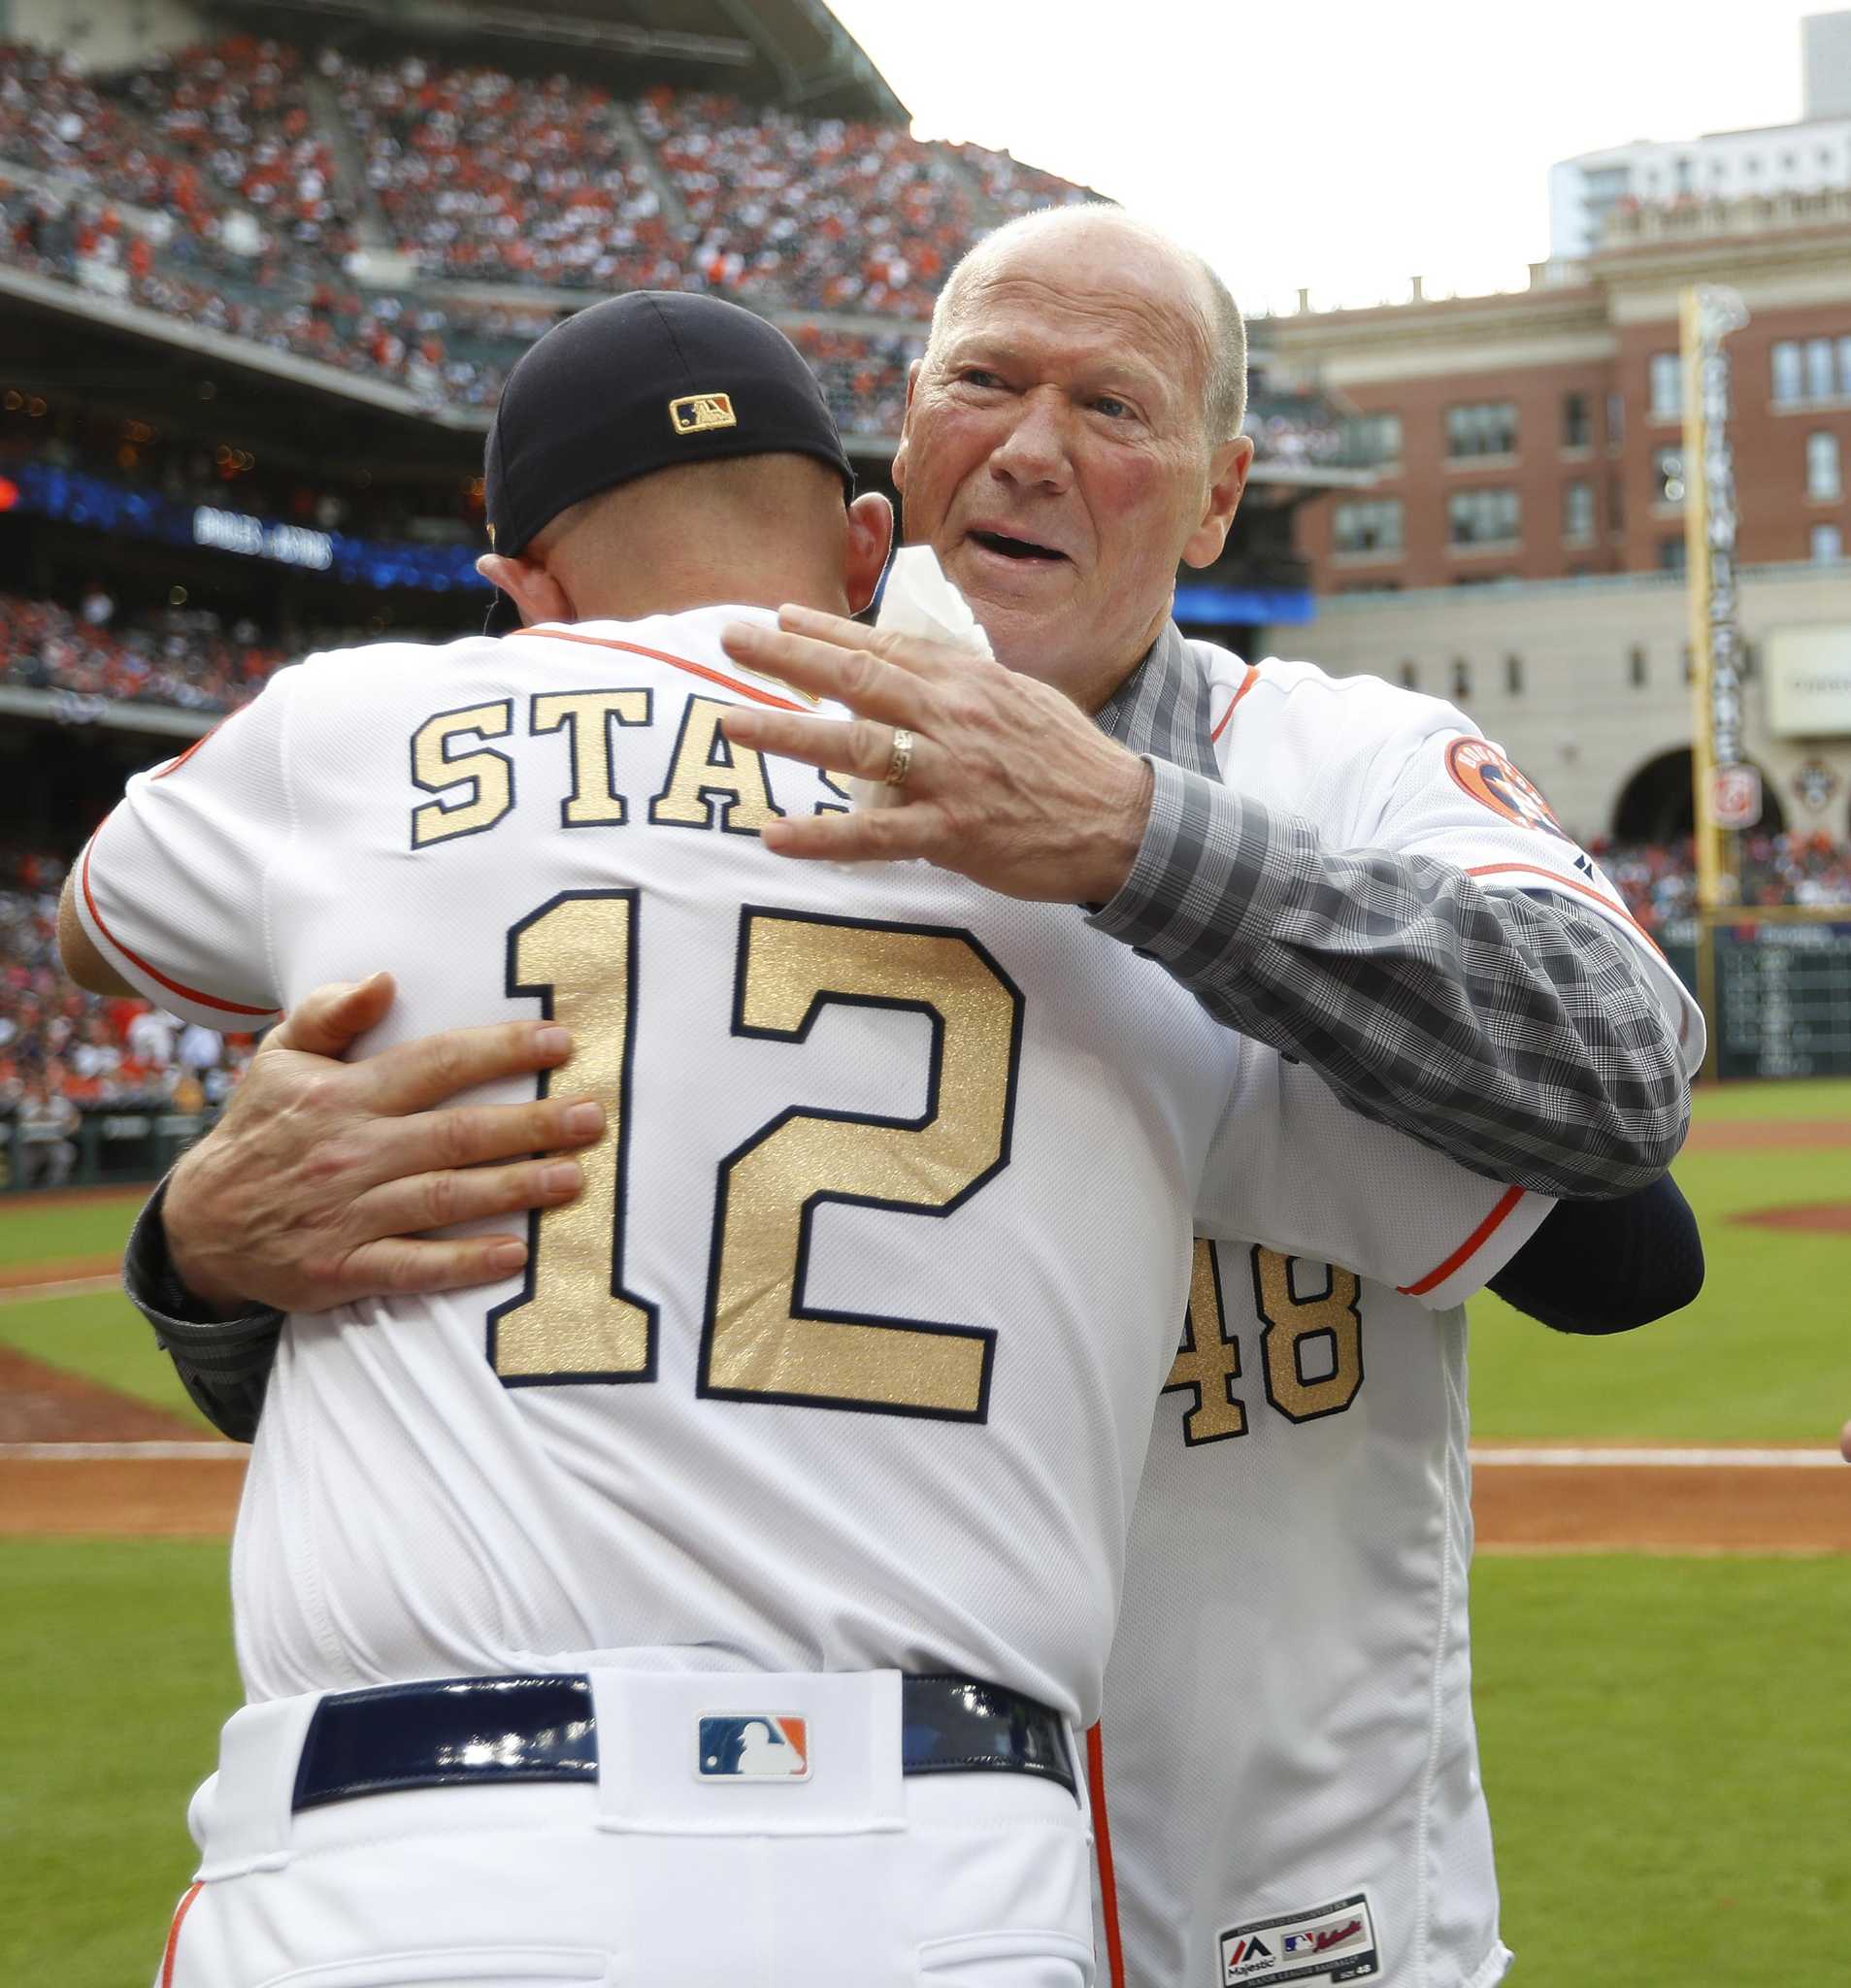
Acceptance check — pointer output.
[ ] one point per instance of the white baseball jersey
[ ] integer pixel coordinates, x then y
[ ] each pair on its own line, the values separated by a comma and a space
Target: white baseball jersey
845, 1356
1287, 1758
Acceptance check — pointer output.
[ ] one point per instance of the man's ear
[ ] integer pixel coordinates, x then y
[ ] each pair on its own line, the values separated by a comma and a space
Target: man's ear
870, 541
532, 588
905, 428
1227, 478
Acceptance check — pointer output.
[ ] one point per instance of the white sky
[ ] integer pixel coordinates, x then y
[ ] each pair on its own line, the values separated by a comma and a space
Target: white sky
1327, 142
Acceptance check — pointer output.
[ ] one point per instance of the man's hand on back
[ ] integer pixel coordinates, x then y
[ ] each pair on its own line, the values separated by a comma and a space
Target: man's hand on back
1010, 784
311, 1191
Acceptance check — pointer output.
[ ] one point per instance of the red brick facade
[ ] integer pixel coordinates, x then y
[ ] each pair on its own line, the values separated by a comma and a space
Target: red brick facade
1596, 340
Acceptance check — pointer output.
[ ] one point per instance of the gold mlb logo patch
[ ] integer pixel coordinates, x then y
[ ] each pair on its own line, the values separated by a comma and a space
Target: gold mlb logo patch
695, 412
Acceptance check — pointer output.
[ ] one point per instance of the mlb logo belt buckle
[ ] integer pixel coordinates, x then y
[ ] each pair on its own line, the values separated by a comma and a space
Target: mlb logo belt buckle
741, 1749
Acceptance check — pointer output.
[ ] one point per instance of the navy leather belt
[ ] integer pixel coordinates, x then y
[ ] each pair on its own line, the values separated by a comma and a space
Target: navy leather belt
542, 1727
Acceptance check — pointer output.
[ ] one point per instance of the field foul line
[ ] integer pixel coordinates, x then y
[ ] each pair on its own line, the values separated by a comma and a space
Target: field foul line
1665, 1459
123, 1452
61, 1287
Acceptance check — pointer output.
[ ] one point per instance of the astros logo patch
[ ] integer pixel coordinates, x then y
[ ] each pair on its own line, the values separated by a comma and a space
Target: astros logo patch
695, 412
756, 1746
1481, 771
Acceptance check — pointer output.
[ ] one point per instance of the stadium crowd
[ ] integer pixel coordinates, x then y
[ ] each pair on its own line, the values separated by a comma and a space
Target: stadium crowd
201, 185
65, 1054
1796, 867
180, 657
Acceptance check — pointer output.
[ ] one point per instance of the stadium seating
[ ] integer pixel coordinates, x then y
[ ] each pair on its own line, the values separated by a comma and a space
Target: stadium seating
180, 661
242, 215
1659, 880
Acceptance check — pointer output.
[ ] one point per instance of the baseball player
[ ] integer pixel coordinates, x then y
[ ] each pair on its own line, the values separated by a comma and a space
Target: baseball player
1286, 1771
771, 1519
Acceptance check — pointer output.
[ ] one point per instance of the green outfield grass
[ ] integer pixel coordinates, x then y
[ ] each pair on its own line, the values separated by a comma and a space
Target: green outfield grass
33, 1230
1763, 1356
116, 1674
1664, 1759
101, 1336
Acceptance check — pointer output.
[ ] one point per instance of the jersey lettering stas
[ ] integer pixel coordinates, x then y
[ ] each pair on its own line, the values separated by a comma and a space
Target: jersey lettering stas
1289, 1760
845, 1357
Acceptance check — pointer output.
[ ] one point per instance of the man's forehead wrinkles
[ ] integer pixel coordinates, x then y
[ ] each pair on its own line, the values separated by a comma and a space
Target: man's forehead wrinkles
1019, 317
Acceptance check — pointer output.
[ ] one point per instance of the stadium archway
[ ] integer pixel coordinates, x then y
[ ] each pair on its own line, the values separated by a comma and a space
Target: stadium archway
1655, 804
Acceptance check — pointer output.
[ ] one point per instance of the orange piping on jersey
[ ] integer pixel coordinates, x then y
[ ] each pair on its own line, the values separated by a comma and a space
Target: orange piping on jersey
1246, 683
184, 1907
1586, 891
677, 662
1468, 1249
175, 765
1102, 1849
154, 972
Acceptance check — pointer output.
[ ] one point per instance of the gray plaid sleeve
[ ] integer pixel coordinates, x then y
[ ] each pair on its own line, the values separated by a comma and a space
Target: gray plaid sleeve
1512, 1031
226, 1367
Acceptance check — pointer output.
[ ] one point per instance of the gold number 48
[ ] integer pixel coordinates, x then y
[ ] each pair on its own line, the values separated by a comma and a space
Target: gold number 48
1208, 1362
577, 1321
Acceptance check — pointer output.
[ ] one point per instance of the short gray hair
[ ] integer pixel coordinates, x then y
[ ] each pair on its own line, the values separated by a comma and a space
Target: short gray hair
1225, 388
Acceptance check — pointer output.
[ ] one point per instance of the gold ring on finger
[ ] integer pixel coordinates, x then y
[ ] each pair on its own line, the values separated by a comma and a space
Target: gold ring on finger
900, 759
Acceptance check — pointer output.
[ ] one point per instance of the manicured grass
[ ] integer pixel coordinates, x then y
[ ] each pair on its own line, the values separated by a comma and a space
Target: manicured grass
1720, 1103
101, 1336
1763, 1356
116, 1674
33, 1230
1666, 1791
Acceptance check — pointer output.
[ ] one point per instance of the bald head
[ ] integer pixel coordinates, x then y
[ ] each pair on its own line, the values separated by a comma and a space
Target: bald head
1082, 231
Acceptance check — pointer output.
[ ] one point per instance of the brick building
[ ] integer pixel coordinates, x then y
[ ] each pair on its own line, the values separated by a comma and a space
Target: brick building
1518, 551
1538, 436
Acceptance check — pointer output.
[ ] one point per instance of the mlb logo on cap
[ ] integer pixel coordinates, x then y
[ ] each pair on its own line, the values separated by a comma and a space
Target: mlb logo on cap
694, 413
758, 1746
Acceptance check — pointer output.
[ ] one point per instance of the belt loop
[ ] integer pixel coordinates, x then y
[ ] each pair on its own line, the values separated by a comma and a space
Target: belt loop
616, 1765
245, 1821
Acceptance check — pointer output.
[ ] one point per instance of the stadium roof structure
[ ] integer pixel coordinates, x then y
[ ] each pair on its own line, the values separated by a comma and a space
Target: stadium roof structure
790, 52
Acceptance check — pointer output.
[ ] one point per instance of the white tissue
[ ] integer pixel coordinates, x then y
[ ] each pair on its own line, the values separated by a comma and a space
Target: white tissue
920, 601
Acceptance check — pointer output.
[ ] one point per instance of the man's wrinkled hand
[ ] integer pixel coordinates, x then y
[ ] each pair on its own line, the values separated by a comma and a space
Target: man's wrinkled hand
1010, 784
314, 1188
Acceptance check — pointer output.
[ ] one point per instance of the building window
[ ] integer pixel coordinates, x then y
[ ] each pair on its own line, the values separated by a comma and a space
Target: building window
1828, 544
1666, 383
1670, 554
1372, 437
1409, 673
1577, 511
1823, 481
1481, 517
1668, 475
1822, 382
1616, 504
1615, 419
1844, 366
1513, 675
1486, 427
1577, 421
1461, 679
1790, 379
1635, 666
1366, 524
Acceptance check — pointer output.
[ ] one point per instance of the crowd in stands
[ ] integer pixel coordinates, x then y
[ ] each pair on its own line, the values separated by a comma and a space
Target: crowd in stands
1796, 867
64, 1052
180, 657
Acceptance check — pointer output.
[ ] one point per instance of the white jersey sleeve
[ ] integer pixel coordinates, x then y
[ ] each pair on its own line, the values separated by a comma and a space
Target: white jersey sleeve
1295, 1166
171, 888
1377, 767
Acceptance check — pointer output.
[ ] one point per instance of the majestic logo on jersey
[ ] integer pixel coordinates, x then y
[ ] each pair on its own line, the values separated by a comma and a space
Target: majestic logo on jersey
1318, 1949
695, 412
1481, 771
759, 1746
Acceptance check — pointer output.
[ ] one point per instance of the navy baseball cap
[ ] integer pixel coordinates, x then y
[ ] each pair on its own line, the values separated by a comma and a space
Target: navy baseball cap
640, 383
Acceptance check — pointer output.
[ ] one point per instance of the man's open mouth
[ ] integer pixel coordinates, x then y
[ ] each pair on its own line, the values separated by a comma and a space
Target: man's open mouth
1016, 548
